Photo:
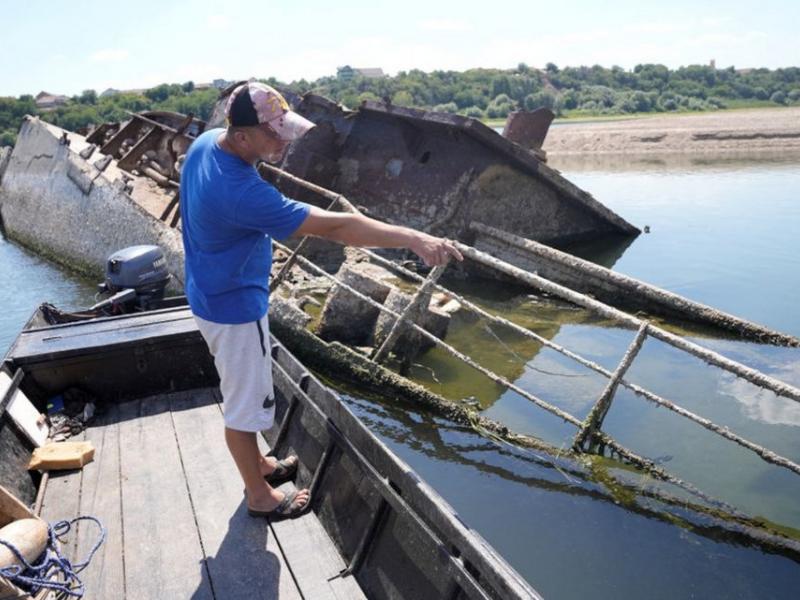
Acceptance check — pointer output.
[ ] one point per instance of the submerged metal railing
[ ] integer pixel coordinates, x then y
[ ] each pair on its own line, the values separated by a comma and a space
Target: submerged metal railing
589, 436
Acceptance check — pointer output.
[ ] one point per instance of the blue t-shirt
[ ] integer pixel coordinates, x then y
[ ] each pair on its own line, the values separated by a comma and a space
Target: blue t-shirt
229, 215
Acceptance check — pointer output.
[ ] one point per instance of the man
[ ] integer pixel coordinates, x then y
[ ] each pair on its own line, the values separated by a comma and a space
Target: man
229, 216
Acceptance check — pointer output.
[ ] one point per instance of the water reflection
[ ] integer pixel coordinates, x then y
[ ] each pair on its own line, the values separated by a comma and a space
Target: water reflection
543, 513
721, 227
723, 232
27, 281
763, 405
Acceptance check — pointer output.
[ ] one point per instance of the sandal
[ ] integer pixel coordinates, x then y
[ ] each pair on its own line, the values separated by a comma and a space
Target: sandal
287, 509
284, 470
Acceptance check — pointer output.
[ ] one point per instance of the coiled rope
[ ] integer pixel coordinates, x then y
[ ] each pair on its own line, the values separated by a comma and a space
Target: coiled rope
37, 576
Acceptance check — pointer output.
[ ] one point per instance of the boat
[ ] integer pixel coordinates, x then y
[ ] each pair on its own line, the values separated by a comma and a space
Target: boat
168, 493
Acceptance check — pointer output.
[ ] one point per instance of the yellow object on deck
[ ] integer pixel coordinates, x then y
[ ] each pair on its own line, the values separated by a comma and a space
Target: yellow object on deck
57, 456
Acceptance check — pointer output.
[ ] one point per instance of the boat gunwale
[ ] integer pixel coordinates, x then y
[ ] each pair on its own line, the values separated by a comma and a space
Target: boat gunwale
416, 493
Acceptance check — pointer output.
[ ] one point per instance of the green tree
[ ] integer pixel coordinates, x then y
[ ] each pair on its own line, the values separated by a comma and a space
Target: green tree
569, 99
500, 107
542, 99
403, 98
778, 97
364, 96
474, 111
158, 93
88, 97
8, 138
449, 107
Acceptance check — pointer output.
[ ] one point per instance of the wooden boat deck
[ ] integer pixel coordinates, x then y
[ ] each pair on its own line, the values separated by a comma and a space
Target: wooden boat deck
165, 487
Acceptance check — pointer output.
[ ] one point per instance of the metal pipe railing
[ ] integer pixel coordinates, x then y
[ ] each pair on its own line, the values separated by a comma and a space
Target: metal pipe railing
588, 429
763, 452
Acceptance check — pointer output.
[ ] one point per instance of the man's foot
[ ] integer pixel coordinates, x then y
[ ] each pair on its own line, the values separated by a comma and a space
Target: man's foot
275, 470
279, 505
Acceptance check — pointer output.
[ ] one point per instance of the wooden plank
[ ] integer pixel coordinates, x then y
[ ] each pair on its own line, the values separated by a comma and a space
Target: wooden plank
163, 555
313, 558
62, 501
100, 498
243, 557
11, 508
77, 338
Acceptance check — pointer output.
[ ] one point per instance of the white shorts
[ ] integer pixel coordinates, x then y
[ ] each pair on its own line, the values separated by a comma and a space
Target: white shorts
242, 357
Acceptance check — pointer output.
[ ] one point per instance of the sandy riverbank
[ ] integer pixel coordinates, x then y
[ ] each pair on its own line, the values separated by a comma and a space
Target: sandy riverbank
734, 131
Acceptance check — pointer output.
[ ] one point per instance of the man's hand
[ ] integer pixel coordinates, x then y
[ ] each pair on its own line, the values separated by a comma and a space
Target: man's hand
354, 229
434, 251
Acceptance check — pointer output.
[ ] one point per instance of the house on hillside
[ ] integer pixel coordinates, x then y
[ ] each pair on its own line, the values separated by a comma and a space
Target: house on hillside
46, 101
347, 73
113, 92
371, 73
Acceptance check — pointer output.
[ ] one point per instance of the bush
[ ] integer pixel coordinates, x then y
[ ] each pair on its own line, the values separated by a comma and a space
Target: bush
633, 102
500, 107
7, 138
502, 99
367, 96
696, 104
569, 99
498, 111
474, 111
603, 95
403, 98
449, 107
778, 97
669, 103
540, 100
760, 93
88, 97
794, 95
716, 102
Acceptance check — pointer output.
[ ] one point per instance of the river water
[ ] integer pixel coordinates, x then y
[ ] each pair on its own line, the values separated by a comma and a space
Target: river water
723, 232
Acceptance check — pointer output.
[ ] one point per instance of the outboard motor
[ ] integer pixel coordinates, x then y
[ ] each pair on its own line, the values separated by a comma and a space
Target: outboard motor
136, 277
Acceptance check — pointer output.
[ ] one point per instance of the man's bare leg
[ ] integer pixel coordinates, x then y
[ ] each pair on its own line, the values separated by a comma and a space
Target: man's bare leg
260, 495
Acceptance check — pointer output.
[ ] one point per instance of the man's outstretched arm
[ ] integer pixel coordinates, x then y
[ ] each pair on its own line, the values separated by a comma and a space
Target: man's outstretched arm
357, 230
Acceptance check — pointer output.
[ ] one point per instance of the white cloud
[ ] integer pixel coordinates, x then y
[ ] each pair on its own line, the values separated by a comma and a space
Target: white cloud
762, 405
445, 25
716, 21
199, 72
656, 27
717, 39
369, 51
109, 55
218, 22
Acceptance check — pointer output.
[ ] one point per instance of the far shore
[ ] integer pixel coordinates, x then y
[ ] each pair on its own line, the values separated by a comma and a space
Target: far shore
742, 131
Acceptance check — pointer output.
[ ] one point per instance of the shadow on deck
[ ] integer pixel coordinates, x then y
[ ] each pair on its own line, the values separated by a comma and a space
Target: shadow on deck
167, 490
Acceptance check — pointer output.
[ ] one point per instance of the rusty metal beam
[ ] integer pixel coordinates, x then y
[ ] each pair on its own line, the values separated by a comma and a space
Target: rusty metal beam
412, 311
594, 420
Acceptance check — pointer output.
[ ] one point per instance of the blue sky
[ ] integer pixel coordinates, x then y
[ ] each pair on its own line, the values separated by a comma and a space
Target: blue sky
66, 47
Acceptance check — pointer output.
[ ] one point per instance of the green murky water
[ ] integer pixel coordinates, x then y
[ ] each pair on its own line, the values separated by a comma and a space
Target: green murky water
725, 233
